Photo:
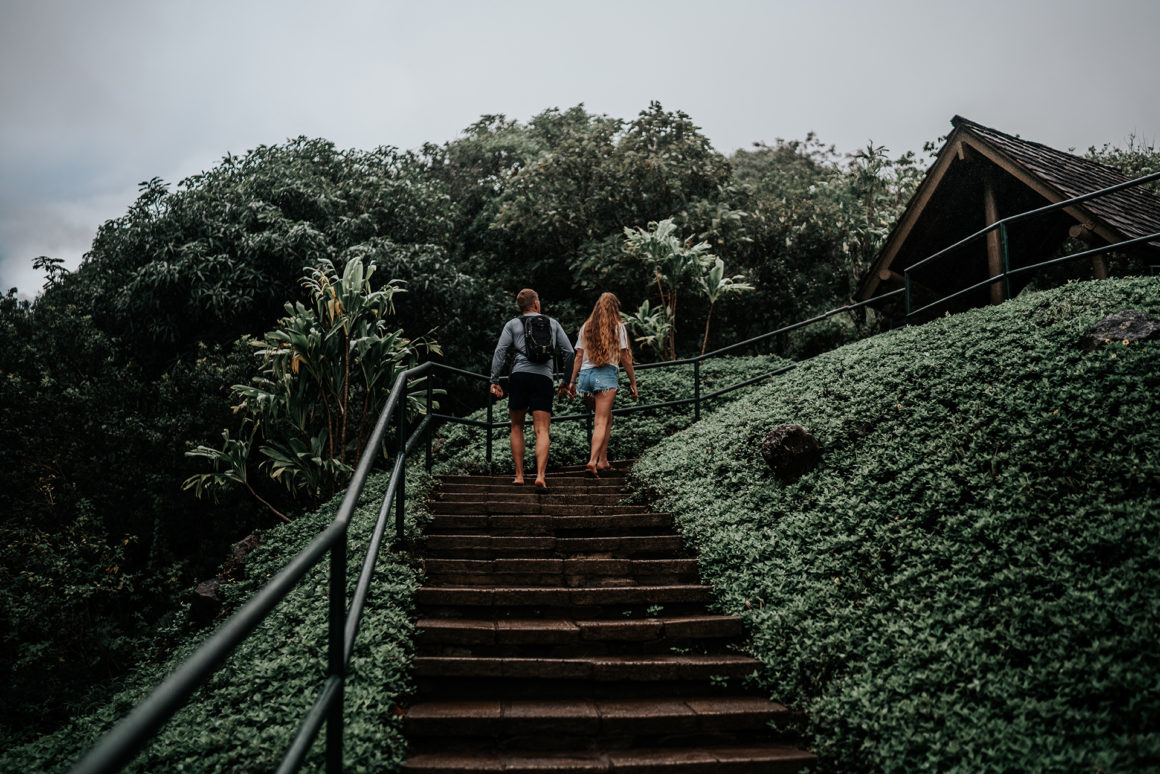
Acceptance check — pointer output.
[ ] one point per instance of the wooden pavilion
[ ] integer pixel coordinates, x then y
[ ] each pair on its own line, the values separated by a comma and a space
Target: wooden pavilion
982, 175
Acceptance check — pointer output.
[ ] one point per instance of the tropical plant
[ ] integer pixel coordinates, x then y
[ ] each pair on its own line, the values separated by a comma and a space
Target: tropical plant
324, 373
651, 326
714, 284
671, 263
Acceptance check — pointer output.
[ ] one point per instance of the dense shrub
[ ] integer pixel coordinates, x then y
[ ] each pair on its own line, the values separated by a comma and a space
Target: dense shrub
244, 719
969, 580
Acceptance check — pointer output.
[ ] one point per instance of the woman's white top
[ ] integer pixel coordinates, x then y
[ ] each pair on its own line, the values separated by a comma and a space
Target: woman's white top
580, 345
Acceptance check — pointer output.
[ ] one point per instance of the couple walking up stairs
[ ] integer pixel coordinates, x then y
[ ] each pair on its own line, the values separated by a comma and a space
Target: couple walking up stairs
565, 632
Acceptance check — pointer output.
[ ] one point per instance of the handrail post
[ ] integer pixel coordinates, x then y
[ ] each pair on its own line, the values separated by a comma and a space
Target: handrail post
430, 427
489, 421
906, 294
697, 391
1006, 261
401, 490
336, 655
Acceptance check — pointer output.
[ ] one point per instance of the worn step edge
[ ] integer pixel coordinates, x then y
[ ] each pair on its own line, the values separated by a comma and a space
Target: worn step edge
567, 632
598, 668
772, 758
438, 546
473, 596
594, 716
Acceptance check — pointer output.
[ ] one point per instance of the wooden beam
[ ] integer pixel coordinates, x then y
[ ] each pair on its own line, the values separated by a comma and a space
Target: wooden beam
994, 245
886, 275
911, 214
1086, 234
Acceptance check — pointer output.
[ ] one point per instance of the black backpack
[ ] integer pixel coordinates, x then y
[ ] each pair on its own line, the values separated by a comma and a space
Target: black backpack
539, 340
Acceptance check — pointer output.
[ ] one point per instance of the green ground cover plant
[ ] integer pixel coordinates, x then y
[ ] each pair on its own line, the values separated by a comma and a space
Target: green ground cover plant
970, 578
245, 717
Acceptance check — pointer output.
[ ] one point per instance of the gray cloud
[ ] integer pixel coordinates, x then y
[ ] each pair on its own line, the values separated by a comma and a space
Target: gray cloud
95, 97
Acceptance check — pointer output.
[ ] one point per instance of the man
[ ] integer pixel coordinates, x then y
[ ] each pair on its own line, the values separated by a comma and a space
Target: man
531, 384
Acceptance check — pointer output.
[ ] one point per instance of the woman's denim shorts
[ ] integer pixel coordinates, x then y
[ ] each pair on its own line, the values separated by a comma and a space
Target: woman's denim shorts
597, 379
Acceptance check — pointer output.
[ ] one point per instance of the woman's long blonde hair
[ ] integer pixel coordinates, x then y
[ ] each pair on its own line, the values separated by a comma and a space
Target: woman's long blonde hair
602, 331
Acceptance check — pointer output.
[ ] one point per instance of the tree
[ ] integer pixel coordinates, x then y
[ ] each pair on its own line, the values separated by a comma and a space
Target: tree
672, 263
325, 373
218, 256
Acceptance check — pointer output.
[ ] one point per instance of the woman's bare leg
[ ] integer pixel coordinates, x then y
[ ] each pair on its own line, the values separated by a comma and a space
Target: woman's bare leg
601, 428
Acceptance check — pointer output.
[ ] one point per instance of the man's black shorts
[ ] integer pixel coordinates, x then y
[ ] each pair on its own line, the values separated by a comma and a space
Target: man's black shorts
532, 391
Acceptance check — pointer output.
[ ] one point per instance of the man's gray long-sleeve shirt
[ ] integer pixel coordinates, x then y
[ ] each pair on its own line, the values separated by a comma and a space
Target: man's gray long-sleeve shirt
512, 338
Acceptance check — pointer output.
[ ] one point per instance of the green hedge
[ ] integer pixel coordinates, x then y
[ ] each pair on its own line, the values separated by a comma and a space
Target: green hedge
244, 719
970, 579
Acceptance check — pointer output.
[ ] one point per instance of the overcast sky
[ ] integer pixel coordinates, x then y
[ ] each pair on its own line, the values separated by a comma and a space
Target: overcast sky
98, 96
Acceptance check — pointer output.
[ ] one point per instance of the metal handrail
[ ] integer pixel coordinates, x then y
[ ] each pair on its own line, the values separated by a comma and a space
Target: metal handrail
1002, 222
130, 735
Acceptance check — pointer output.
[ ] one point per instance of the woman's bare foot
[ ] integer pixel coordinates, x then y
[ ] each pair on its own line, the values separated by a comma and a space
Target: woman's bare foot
592, 470
518, 481
541, 484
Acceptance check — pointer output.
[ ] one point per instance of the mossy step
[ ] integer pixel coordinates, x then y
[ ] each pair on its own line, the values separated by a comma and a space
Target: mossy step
623, 718
725, 759
647, 668
515, 546
535, 506
547, 596
538, 524
562, 631
569, 572
526, 494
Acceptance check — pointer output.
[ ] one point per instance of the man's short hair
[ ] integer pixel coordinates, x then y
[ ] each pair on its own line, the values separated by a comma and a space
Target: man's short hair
526, 299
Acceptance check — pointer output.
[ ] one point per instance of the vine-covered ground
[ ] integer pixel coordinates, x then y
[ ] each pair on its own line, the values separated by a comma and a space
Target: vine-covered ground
970, 578
245, 717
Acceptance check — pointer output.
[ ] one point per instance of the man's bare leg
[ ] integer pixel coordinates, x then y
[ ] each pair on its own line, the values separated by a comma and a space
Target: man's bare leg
542, 422
518, 444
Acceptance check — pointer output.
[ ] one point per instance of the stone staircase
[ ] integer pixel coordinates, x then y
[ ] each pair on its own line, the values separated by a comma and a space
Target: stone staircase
564, 632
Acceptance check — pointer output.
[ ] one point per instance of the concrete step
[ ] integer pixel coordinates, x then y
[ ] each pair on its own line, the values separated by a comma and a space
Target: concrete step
559, 572
562, 480
577, 488
517, 546
538, 525
608, 496
724, 759
516, 632
636, 669
578, 723
550, 596
532, 505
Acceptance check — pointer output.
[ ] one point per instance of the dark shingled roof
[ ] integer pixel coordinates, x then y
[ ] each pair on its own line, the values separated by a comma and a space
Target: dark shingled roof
950, 204
1133, 212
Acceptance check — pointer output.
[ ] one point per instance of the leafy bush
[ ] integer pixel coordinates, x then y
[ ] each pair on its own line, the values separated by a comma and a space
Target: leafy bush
243, 720
968, 581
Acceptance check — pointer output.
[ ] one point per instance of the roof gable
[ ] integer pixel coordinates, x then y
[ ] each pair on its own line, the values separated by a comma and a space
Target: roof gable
948, 204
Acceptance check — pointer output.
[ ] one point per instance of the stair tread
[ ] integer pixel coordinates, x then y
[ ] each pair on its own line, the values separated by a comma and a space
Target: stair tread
709, 758
709, 706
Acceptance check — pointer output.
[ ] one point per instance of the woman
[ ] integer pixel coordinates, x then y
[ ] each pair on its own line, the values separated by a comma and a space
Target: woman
601, 347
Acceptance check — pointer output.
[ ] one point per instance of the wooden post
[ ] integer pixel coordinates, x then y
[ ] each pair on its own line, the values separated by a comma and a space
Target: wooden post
1084, 232
994, 249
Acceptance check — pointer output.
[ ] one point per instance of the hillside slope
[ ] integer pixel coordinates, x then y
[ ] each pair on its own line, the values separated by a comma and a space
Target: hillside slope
970, 578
